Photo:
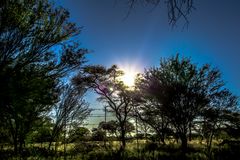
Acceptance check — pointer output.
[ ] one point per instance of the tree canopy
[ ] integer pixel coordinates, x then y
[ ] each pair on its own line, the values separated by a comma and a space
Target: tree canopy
35, 53
184, 92
112, 92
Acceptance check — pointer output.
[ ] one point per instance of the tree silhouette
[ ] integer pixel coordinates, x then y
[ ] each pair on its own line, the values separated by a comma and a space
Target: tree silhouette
112, 92
184, 92
71, 108
110, 126
223, 103
149, 111
176, 9
79, 134
35, 52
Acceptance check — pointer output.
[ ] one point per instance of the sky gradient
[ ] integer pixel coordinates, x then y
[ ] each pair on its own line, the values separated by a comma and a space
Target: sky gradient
213, 35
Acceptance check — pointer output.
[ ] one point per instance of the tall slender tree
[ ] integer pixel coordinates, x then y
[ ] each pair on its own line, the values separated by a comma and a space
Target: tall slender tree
71, 108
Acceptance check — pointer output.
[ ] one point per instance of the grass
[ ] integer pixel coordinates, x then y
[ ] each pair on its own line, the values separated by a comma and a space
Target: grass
94, 150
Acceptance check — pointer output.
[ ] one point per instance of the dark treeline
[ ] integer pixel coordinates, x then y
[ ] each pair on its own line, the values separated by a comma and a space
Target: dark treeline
177, 100
178, 110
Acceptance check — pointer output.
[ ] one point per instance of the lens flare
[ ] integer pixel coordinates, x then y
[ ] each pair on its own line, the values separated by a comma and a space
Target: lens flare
129, 75
128, 78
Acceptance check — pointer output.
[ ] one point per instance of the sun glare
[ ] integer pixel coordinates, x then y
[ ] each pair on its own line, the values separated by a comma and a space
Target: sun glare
129, 76
128, 79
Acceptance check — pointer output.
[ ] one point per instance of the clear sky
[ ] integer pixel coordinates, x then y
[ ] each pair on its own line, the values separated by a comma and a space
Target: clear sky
213, 35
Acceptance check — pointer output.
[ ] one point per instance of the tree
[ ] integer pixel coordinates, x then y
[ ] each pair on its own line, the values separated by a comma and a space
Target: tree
71, 108
176, 9
110, 127
98, 134
217, 115
35, 53
149, 111
41, 131
111, 90
28, 97
129, 127
232, 124
185, 91
79, 134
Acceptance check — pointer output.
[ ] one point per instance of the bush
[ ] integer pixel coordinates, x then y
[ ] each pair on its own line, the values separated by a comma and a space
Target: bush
227, 150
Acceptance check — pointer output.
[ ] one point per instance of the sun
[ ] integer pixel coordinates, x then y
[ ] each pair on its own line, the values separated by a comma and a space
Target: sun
129, 76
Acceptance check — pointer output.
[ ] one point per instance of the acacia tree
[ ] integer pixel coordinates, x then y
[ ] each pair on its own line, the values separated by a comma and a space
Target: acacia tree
77, 134
111, 91
176, 9
184, 92
35, 52
110, 126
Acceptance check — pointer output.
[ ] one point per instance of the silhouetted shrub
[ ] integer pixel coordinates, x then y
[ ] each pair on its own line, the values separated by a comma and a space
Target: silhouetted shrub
228, 149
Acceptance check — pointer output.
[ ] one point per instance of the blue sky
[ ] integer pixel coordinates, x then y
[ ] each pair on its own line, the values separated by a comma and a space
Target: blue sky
213, 35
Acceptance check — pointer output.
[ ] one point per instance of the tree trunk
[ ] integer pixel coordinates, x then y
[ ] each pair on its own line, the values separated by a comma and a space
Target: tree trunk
50, 144
20, 146
190, 132
123, 140
183, 143
51, 140
15, 143
14, 134
209, 145
56, 146
162, 138
65, 144
21, 143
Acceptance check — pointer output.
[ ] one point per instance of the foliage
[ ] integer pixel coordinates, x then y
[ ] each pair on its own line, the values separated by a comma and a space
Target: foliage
231, 123
79, 134
34, 55
112, 92
112, 127
38, 104
150, 114
71, 108
184, 92
98, 134
41, 132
